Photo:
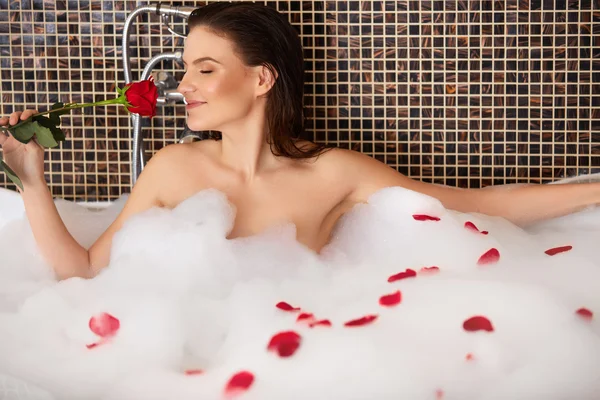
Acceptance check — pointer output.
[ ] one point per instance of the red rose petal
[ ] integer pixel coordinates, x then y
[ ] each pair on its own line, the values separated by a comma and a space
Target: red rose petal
194, 372
430, 270
282, 305
469, 357
142, 97
323, 322
284, 343
557, 250
489, 257
423, 217
390, 300
409, 273
367, 319
238, 383
585, 313
472, 227
104, 325
478, 323
439, 394
308, 317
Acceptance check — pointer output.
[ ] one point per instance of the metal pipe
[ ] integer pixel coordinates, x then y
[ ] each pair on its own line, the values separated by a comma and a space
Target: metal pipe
159, 9
125, 38
138, 145
183, 12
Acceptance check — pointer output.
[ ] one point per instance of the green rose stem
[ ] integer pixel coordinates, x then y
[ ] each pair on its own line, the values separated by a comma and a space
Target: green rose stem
46, 129
70, 106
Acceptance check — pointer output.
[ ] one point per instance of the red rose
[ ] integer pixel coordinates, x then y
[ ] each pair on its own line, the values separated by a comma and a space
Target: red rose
142, 97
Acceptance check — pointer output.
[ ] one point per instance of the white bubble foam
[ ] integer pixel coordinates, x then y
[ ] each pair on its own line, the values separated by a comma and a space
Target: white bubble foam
189, 299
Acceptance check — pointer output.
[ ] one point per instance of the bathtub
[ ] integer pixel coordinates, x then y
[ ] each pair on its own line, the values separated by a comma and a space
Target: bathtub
11, 208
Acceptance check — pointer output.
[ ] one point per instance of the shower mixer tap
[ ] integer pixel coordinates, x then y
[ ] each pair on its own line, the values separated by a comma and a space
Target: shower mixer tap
167, 89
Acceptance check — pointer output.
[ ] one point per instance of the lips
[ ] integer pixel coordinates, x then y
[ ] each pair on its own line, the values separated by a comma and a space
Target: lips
193, 103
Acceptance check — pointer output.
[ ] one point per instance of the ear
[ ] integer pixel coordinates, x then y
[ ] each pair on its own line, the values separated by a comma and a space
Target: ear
266, 79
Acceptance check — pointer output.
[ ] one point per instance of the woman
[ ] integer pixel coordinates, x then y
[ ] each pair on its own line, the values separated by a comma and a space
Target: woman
245, 79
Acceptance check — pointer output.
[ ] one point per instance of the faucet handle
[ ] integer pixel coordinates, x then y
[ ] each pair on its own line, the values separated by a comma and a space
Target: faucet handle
170, 96
167, 89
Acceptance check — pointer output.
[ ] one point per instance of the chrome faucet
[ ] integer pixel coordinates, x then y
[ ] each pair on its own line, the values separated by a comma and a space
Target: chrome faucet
168, 85
167, 89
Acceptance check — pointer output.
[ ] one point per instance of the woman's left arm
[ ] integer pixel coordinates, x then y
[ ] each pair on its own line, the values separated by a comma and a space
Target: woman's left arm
521, 204
529, 203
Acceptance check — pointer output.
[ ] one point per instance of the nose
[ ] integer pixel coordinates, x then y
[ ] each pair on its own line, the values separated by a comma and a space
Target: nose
185, 85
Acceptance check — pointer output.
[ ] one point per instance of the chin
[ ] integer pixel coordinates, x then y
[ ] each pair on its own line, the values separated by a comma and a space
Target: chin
198, 125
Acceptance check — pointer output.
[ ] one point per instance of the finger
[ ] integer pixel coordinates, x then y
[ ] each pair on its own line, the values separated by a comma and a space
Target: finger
3, 121
14, 118
3, 138
27, 113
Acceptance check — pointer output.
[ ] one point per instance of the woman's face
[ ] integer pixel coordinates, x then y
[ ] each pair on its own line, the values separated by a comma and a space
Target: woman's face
217, 86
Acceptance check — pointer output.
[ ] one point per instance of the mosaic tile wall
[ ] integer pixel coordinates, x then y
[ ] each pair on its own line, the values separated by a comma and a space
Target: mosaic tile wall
465, 93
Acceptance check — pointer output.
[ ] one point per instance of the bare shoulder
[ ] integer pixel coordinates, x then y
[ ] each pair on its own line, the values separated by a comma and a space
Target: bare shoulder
173, 157
164, 171
166, 155
368, 175
363, 174
355, 165
160, 181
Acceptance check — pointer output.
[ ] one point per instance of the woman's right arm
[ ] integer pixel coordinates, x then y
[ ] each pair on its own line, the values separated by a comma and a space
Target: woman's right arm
54, 242
57, 246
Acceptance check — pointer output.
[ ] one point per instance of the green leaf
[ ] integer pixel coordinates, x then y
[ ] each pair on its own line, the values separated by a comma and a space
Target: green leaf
11, 174
55, 116
57, 133
24, 131
45, 132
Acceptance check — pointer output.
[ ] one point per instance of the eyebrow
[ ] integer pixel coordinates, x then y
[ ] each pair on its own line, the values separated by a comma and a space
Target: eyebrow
201, 59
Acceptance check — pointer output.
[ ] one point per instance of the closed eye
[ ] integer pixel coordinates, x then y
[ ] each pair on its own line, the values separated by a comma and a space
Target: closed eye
205, 72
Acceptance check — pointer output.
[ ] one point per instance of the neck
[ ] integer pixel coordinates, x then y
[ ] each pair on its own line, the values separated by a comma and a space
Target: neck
244, 148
